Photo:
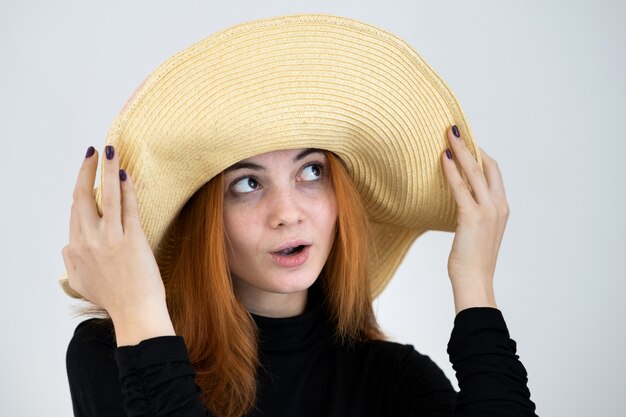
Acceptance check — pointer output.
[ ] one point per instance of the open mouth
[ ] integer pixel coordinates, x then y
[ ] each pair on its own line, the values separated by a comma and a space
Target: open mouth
291, 251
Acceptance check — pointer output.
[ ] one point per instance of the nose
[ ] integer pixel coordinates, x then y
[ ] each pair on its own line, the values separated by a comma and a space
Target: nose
285, 209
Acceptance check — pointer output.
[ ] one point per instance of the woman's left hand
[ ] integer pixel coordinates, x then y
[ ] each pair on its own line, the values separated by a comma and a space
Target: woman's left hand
481, 219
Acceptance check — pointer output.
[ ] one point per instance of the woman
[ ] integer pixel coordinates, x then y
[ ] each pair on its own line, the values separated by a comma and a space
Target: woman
266, 274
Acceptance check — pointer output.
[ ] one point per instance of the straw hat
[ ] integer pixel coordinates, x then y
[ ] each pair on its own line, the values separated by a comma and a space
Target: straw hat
297, 81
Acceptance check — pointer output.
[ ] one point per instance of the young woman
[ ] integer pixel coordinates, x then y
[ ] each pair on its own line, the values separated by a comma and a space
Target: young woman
256, 300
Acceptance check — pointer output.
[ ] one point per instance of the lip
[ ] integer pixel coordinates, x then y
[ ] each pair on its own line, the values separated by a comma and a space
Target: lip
291, 244
291, 261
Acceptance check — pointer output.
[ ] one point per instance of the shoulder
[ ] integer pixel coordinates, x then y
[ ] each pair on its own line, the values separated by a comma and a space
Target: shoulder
94, 331
416, 382
404, 358
93, 343
92, 371
391, 350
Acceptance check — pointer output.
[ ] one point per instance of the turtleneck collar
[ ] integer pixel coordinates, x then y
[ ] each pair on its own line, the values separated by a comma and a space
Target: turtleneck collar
298, 333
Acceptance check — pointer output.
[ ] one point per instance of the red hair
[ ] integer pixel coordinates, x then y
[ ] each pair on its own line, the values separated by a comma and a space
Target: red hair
220, 334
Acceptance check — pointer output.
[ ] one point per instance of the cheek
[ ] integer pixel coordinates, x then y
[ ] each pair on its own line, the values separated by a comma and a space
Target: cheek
237, 229
325, 214
331, 204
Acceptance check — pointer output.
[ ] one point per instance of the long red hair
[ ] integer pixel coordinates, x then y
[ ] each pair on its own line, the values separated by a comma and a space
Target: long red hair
220, 334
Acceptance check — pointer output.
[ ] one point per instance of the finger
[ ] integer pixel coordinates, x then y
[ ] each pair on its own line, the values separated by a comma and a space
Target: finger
495, 182
493, 175
83, 189
75, 229
84, 208
470, 167
130, 211
111, 198
460, 191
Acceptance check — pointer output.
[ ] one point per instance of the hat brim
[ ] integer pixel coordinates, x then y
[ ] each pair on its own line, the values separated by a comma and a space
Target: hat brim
289, 82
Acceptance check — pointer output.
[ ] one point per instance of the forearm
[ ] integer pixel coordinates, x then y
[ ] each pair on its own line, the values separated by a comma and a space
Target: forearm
151, 378
157, 379
492, 379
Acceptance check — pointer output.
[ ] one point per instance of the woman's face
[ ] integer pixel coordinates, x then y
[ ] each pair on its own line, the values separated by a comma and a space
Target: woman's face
279, 216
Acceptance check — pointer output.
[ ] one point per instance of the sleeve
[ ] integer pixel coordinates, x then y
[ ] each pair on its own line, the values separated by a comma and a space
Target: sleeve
158, 380
153, 378
492, 380
422, 389
92, 373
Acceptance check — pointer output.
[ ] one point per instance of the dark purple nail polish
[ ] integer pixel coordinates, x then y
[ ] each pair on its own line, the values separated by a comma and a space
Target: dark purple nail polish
122, 175
448, 154
90, 151
455, 131
110, 152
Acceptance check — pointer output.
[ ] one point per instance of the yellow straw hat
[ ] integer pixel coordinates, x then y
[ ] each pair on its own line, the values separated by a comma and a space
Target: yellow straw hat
288, 82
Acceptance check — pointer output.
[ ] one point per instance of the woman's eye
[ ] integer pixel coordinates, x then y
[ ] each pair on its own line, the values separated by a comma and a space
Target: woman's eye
245, 185
312, 172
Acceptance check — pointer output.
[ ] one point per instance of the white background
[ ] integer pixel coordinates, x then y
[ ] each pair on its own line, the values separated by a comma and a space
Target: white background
542, 83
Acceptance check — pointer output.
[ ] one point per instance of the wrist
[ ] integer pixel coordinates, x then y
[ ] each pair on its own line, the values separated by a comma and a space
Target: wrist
469, 293
137, 324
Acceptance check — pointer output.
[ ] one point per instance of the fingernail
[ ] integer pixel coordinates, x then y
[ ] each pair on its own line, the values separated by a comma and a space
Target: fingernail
90, 151
122, 175
448, 154
455, 131
110, 152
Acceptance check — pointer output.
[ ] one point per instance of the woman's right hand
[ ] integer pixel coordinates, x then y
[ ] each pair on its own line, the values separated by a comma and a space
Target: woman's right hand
109, 260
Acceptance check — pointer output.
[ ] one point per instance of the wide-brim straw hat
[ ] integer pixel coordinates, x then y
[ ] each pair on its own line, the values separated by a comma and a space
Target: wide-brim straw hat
289, 82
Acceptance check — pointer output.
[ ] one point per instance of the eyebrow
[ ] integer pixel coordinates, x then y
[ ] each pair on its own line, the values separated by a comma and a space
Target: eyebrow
257, 167
244, 165
306, 153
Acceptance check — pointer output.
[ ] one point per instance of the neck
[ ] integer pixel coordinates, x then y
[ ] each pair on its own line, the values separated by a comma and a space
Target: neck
269, 304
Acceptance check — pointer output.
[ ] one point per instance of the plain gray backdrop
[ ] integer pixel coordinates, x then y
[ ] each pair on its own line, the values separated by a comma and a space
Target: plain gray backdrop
543, 86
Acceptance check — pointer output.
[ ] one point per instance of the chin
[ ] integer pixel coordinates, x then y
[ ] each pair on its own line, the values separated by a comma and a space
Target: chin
293, 287
293, 283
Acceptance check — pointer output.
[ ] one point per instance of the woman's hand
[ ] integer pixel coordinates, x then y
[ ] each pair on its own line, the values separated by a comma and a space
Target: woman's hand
482, 216
109, 260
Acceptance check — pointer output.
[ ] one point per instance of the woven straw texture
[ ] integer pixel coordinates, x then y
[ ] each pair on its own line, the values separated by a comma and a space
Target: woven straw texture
297, 81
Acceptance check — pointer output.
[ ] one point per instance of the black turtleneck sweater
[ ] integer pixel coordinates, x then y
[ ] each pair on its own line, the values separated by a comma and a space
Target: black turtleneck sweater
304, 372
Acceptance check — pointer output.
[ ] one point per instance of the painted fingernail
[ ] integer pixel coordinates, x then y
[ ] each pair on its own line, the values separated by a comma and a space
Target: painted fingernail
455, 131
448, 154
110, 152
90, 151
122, 175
